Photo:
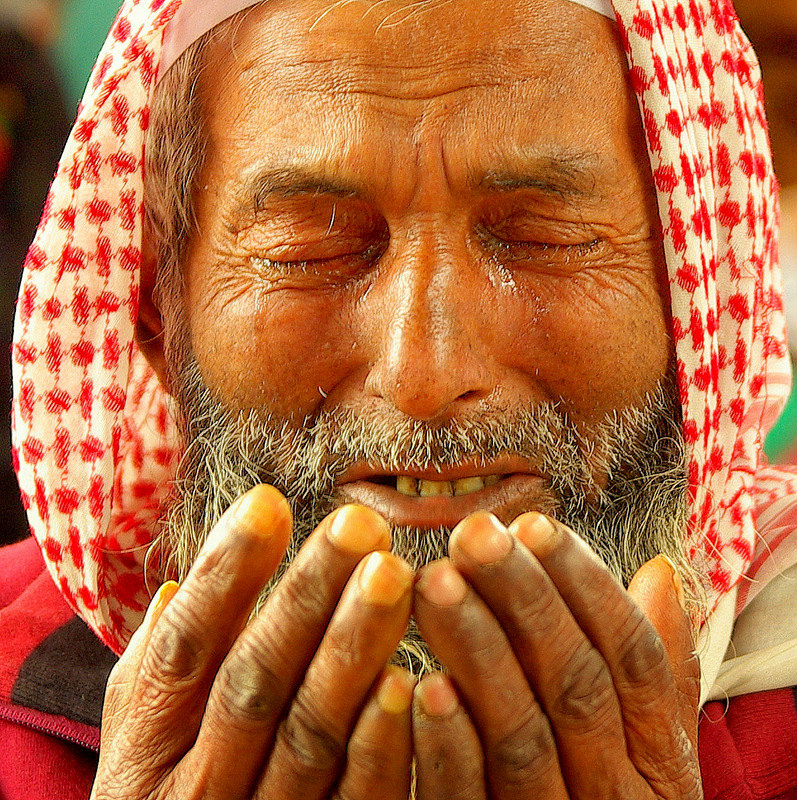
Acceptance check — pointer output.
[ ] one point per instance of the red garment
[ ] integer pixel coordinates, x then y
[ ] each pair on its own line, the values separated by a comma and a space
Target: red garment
52, 677
748, 747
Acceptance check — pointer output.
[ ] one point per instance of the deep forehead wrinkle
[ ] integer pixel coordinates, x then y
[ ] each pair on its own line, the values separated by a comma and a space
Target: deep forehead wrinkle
432, 63
419, 80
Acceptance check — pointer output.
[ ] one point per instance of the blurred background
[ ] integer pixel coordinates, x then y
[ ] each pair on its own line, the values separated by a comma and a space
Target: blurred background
47, 50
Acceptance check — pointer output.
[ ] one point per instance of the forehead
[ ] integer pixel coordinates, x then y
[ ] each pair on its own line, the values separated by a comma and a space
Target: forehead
418, 50
490, 82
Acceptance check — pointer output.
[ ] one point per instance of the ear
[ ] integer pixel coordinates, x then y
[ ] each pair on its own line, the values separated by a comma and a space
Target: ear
149, 325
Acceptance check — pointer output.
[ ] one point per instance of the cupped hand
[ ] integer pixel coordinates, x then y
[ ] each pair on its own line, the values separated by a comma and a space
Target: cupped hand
294, 702
561, 684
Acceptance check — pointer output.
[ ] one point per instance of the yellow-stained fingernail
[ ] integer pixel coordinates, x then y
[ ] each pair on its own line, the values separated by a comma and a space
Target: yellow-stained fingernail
483, 538
536, 531
436, 696
384, 579
677, 581
262, 510
441, 584
394, 693
358, 530
160, 600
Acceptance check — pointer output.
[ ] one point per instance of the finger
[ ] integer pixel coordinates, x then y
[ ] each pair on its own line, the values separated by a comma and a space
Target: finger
121, 681
518, 744
448, 755
379, 755
199, 624
633, 650
658, 590
175, 653
368, 624
567, 673
262, 672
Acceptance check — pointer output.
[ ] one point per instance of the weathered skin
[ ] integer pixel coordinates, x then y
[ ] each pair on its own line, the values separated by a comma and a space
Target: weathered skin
561, 684
437, 218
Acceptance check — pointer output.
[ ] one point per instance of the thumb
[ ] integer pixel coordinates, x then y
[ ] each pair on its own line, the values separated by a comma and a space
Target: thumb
658, 590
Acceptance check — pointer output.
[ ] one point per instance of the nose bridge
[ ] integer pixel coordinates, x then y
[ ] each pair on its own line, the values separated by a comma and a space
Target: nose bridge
432, 349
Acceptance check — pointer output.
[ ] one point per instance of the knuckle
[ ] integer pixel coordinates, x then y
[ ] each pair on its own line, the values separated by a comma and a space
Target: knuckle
371, 757
248, 689
174, 649
539, 614
311, 744
172, 663
526, 753
443, 781
442, 772
642, 655
586, 691
305, 593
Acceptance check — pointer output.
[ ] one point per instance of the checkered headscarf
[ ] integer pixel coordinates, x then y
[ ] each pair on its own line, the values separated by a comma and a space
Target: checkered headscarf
94, 442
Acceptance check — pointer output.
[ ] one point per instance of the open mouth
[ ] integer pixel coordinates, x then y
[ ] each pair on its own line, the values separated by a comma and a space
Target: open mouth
430, 498
420, 487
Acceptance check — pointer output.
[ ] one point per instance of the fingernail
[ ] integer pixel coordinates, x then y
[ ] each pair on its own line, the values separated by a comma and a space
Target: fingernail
260, 507
483, 538
262, 510
536, 531
394, 693
384, 579
441, 584
436, 696
159, 602
358, 530
677, 582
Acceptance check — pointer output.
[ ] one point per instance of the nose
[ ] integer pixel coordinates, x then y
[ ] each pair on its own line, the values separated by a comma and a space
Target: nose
432, 355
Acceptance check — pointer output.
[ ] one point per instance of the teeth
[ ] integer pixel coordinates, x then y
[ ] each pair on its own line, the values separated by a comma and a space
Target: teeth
468, 485
422, 488
407, 485
435, 489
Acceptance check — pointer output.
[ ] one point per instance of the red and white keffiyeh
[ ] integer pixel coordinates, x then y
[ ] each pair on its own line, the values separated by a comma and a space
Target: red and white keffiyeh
95, 444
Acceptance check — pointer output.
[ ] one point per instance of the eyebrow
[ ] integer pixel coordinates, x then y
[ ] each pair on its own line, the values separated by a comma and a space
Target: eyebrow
565, 177
569, 176
289, 182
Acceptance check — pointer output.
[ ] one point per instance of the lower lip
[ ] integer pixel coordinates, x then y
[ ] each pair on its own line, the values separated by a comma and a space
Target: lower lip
508, 498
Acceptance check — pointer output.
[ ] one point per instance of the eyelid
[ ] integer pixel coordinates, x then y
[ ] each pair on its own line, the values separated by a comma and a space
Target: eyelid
538, 231
349, 264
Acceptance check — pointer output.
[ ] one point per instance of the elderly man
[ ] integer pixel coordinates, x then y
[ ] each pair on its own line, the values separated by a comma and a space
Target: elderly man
497, 312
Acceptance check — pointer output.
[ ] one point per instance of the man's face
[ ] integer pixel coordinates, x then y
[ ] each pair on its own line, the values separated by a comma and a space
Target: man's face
426, 216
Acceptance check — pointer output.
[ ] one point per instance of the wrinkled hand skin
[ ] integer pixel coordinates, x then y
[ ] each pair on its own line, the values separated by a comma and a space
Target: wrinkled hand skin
560, 683
297, 703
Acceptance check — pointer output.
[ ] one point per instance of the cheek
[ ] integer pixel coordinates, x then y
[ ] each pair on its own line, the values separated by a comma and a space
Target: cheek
277, 350
594, 346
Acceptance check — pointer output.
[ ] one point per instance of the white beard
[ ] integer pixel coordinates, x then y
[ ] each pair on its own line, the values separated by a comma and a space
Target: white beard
641, 510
